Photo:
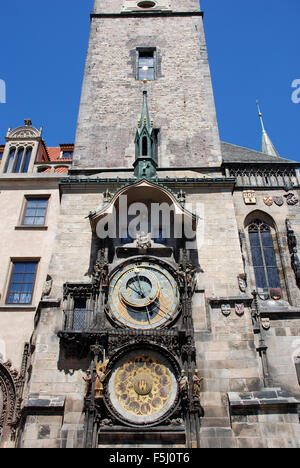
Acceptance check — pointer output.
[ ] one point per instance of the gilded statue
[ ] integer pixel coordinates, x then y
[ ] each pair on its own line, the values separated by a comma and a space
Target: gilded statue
100, 377
196, 384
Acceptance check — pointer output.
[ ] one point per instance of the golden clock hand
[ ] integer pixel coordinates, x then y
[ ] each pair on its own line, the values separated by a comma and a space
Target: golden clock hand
148, 315
160, 307
135, 290
138, 277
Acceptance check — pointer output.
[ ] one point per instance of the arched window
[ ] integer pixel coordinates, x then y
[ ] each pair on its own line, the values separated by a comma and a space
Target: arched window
18, 160
20, 155
27, 159
10, 159
263, 255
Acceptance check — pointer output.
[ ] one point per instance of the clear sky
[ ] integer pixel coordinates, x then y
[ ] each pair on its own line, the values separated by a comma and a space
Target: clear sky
253, 51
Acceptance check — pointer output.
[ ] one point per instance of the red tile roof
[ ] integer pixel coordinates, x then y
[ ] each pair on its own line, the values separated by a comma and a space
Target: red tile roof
61, 170
54, 153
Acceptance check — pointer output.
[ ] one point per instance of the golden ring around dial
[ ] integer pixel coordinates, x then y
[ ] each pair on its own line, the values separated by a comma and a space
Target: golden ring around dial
142, 302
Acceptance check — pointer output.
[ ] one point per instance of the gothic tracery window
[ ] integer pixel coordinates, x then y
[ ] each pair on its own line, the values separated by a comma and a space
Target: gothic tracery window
18, 160
263, 255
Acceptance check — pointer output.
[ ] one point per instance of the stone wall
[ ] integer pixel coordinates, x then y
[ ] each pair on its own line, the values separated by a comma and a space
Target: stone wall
181, 100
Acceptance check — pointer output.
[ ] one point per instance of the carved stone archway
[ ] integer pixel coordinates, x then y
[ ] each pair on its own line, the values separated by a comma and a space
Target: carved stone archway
7, 401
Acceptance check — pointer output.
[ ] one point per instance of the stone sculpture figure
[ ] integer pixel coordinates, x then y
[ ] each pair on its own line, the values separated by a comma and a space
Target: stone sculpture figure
100, 377
197, 384
143, 241
88, 380
47, 286
183, 384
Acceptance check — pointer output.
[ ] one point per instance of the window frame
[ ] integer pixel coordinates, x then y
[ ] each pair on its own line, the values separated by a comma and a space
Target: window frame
13, 160
259, 223
13, 262
24, 209
70, 154
146, 50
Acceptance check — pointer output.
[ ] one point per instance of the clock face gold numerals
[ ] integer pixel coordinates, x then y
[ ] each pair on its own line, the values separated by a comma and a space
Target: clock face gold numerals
143, 295
142, 387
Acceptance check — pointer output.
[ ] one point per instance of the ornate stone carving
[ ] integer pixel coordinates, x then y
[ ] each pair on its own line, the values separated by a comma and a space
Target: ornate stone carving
291, 199
268, 201
11, 388
47, 286
181, 197
279, 201
24, 133
226, 309
292, 243
242, 283
143, 241
240, 309
183, 384
249, 197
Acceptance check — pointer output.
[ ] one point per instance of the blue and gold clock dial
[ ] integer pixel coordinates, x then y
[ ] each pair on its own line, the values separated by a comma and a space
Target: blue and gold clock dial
143, 295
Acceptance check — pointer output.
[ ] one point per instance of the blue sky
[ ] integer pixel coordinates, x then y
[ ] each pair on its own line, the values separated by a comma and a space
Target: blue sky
253, 51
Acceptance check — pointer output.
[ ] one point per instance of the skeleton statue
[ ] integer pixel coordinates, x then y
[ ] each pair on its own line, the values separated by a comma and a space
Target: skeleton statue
187, 277
101, 274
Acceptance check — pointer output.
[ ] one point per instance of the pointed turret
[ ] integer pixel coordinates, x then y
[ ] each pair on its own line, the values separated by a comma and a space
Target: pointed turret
267, 145
145, 143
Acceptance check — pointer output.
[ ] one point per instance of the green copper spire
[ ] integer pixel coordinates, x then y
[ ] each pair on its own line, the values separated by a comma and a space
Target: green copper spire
145, 144
267, 145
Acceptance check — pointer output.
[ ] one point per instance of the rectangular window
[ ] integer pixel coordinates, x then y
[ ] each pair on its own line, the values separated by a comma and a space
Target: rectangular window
79, 315
22, 283
146, 65
67, 155
35, 211
18, 160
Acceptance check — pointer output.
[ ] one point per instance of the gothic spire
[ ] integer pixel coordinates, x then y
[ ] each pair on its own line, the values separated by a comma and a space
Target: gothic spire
145, 116
145, 143
267, 145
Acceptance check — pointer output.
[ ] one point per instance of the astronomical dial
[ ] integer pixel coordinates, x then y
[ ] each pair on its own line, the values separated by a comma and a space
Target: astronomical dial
142, 387
143, 295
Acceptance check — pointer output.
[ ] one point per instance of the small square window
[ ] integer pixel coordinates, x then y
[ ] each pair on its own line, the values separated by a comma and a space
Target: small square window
22, 283
146, 65
67, 155
35, 211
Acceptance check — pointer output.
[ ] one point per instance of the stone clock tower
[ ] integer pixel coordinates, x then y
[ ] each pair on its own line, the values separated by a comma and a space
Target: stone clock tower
126, 35
151, 326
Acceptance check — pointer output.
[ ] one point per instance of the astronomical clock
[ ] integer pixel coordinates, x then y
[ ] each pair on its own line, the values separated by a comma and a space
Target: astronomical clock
143, 302
136, 317
143, 295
